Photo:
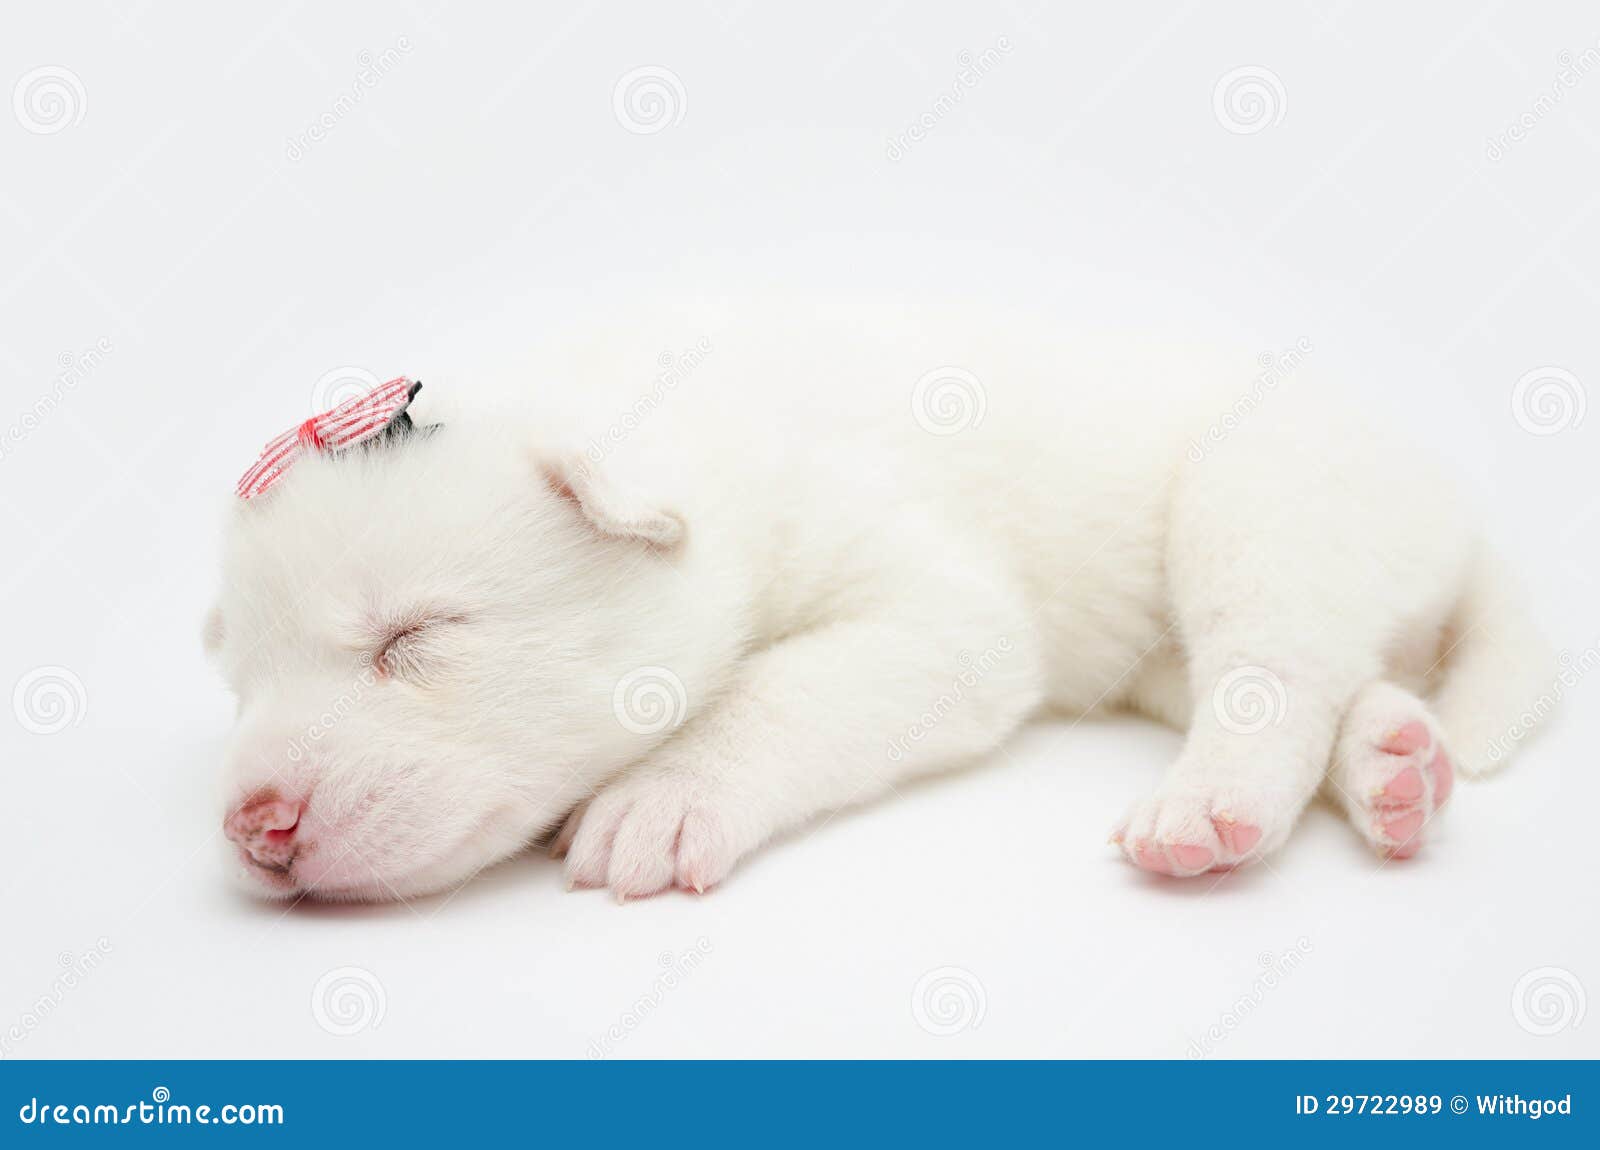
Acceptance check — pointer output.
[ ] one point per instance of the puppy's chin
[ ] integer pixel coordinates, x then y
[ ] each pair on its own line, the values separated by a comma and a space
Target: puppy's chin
346, 879
248, 878
290, 887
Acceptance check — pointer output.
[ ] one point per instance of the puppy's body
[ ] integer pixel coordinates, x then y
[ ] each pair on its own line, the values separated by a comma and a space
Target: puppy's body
810, 565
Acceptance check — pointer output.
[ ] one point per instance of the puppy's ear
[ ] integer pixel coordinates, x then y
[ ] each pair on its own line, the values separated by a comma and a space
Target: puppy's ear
610, 507
212, 631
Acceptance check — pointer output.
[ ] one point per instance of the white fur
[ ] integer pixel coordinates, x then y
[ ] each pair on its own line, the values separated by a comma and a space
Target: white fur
846, 599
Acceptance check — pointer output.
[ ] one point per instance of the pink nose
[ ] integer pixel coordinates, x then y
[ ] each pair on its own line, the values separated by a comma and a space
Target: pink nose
265, 828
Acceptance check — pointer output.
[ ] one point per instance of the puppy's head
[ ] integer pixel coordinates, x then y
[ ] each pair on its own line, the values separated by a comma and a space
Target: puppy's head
425, 637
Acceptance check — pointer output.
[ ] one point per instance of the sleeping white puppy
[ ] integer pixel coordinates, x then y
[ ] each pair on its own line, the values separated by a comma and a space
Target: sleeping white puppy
798, 568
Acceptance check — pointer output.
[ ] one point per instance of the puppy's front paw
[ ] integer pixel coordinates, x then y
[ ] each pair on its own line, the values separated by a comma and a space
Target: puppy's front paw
644, 835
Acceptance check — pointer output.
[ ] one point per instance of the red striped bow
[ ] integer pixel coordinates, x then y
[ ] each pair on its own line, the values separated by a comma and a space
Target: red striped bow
353, 421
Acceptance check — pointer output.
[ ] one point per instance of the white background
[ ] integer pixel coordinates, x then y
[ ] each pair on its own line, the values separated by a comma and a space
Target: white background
483, 191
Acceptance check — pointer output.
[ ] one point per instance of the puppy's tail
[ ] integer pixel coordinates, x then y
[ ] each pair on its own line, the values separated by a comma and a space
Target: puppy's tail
1499, 681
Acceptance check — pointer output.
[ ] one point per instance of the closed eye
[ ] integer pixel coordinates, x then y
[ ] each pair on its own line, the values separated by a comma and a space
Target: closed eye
393, 649
404, 646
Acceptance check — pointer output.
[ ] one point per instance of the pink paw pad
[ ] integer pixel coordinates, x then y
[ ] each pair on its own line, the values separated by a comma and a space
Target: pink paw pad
1443, 776
1405, 740
1176, 859
1406, 787
1196, 852
1402, 828
1406, 776
1149, 857
1191, 858
1238, 838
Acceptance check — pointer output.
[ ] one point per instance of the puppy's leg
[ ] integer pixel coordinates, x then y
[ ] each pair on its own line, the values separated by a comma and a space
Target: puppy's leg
1263, 726
1390, 771
1292, 565
937, 671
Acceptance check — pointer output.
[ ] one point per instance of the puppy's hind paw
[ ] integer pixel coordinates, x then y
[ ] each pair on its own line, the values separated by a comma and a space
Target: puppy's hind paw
1192, 834
1392, 776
